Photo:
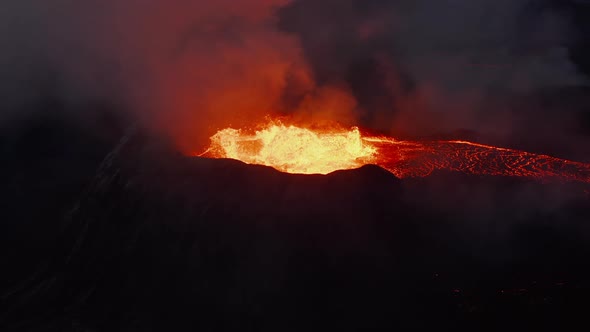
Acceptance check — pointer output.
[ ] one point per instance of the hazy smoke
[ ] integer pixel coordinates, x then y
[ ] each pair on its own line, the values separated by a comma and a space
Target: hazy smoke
182, 66
190, 67
422, 66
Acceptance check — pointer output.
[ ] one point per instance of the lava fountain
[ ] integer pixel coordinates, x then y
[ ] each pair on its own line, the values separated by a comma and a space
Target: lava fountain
294, 149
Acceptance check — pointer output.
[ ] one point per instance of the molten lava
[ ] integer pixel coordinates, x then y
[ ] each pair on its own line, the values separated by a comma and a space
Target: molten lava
294, 149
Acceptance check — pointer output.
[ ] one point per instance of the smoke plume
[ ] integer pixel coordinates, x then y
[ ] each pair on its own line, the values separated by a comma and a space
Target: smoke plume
421, 67
188, 68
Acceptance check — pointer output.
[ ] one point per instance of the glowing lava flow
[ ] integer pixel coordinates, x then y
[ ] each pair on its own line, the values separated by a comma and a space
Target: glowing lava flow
294, 149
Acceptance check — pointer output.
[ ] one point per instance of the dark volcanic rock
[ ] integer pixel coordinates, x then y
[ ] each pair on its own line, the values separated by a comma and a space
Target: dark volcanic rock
164, 242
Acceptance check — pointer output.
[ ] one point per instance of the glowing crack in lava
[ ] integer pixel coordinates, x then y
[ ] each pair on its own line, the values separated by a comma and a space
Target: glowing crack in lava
293, 149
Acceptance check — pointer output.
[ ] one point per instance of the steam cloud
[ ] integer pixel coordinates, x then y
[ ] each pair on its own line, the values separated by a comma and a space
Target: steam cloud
190, 67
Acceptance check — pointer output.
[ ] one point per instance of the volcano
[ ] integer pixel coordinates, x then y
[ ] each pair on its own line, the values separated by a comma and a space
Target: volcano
164, 241
294, 165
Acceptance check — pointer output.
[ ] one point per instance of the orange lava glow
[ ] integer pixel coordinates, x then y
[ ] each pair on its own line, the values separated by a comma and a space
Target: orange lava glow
293, 149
